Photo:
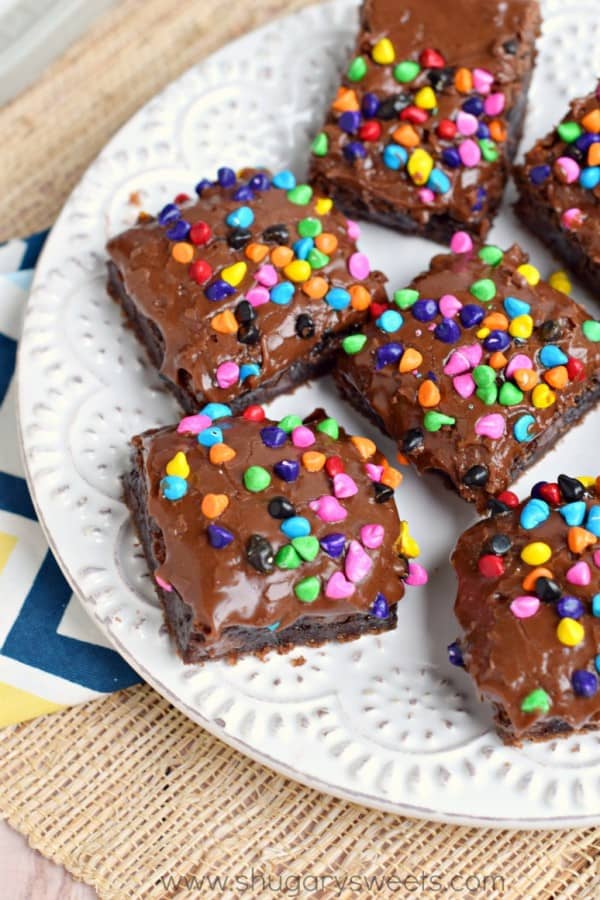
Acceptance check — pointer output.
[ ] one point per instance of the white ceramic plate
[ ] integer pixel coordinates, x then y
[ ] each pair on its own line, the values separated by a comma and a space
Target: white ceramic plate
384, 721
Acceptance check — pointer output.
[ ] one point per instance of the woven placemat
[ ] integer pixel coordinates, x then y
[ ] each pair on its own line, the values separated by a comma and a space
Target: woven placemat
127, 793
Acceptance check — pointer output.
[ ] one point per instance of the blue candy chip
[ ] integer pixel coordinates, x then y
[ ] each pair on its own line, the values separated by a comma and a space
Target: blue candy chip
389, 321
242, 217
394, 156
285, 180
173, 487
337, 298
534, 513
590, 178
216, 411
295, 526
522, 429
210, 436
515, 307
438, 182
282, 293
573, 513
593, 520
551, 356
248, 369
303, 247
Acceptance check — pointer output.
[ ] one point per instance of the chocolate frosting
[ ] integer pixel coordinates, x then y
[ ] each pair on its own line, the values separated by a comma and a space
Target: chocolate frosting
555, 192
497, 36
509, 657
222, 586
454, 449
163, 290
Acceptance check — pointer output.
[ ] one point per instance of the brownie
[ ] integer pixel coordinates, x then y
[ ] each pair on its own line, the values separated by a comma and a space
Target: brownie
421, 132
263, 534
476, 369
559, 189
529, 603
245, 291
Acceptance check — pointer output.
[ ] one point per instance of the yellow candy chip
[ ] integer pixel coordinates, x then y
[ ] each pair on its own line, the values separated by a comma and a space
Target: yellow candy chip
234, 274
536, 553
588, 481
298, 270
482, 333
178, 465
425, 98
419, 166
570, 632
521, 326
542, 397
405, 544
383, 52
323, 206
529, 273
560, 282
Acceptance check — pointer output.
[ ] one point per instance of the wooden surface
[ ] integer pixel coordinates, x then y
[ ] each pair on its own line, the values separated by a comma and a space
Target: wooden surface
26, 875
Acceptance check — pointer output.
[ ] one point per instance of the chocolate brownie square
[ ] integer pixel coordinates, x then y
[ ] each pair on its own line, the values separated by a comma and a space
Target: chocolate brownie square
476, 369
245, 291
263, 534
529, 603
421, 132
559, 189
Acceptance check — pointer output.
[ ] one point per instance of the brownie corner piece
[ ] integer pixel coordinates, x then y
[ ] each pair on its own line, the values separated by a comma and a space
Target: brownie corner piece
244, 291
559, 189
528, 602
267, 535
426, 121
476, 368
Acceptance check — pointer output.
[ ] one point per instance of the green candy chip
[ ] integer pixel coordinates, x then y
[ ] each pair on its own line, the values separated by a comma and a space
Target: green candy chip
256, 479
591, 330
316, 259
329, 427
484, 289
308, 589
537, 701
569, 131
300, 195
354, 343
491, 255
406, 298
433, 420
287, 558
320, 145
510, 395
489, 150
288, 423
309, 227
307, 547
406, 71
487, 394
357, 69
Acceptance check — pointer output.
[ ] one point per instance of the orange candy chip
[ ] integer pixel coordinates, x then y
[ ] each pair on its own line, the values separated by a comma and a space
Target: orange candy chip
182, 252
526, 379
360, 298
531, 577
316, 287
225, 322
365, 446
391, 477
594, 155
579, 539
221, 453
591, 121
463, 81
496, 321
557, 377
256, 252
327, 243
498, 360
497, 131
428, 394
406, 135
281, 256
346, 99
313, 461
214, 504
411, 359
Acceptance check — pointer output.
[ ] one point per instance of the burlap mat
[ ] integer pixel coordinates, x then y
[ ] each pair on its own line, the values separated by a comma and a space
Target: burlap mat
127, 793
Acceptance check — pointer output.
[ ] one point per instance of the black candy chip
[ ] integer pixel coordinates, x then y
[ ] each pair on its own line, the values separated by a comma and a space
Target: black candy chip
570, 488
391, 106
510, 46
383, 492
550, 330
281, 508
440, 78
547, 589
476, 476
238, 238
413, 440
305, 327
499, 544
259, 553
244, 312
497, 507
248, 333
276, 234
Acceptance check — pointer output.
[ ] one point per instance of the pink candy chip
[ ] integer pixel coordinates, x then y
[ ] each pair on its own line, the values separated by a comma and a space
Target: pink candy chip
302, 437
344, 486
352, 229
372, 536
482, 80
466, 123
194, 424
328, 509
457, 363
267, 275
358, 563
492, 426
338, 587
494, 104
449, 305
473, 352
227, 374
572, 218
464, 385
359, 266
417, 574
579, 574
568, 169
374, 472
469, 153
461, 242
426, 195
256, 296
520, 361
163, 584
525, 606
596, 558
